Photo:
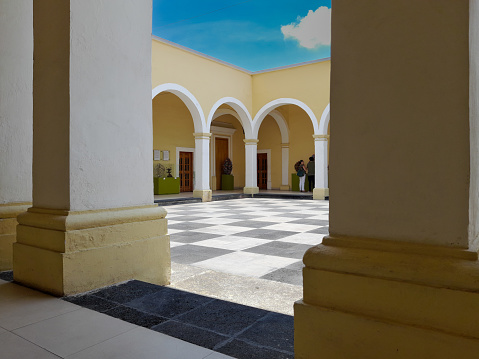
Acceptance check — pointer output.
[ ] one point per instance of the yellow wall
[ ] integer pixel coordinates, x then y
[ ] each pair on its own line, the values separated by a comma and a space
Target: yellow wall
270, 139
308, 83
172, 126
207, 80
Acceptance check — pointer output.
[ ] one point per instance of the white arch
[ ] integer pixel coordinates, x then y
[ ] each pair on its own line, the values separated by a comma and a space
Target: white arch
242, 114
266, 109
324, 122
189, 100
225, 111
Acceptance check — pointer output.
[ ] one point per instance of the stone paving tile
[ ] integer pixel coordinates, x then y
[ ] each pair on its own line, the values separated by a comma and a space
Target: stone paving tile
92, 302
126, 292
242, 350
134, 316
190, 253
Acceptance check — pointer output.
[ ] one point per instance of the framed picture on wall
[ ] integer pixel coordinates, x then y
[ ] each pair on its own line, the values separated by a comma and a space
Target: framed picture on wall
166, 155
156, 155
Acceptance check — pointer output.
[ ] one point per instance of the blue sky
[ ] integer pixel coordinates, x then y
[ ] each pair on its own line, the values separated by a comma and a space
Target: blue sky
253, 34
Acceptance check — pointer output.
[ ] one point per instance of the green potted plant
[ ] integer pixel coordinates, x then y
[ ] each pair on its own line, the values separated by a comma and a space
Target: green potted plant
227, 179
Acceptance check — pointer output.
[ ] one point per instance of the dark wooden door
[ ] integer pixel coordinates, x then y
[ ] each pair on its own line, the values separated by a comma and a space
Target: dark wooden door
186, 171
262, 171
221, 154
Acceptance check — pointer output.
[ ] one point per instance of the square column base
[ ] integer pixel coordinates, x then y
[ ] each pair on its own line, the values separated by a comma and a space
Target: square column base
320, 193
65, 253
8, 232
384, 299
251, 190
284, 188
206, 195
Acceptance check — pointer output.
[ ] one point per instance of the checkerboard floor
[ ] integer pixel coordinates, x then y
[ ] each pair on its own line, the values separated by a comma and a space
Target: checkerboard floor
254, 237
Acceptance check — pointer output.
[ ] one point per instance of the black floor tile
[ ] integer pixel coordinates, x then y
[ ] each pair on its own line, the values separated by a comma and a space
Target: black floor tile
134, 316
91, 302
169, 302
189, 253
223, 317
252, 224
189, 225
191, 334
185, 218
275, 331
242, 350
7, 276
296, 265
270, 234
283, 275
191, 236
127, 291
271, 248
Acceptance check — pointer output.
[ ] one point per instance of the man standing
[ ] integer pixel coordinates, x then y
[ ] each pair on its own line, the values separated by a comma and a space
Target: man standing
311, 169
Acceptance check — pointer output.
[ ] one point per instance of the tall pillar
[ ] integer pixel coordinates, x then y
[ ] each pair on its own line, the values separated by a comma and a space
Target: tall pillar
251, 164
321, 189
16, 124
93, 222
202, 165
285, 167
398, 275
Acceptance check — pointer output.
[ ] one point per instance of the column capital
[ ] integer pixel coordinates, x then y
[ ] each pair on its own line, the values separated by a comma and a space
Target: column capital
285, 145
203, 135
250, 141
321, 137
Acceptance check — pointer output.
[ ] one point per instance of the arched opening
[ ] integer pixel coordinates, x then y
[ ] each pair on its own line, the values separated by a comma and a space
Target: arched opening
177, 117
230, 124
296, 124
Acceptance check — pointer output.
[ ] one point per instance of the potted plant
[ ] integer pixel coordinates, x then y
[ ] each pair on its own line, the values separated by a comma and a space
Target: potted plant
227, 179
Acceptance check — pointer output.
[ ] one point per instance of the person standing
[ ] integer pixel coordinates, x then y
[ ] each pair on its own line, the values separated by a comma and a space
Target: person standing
311, 171
302, 170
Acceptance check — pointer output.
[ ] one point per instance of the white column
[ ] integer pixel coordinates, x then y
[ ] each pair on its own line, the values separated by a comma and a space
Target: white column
16, 123
251, 165
201, 167
93, 221
284, 167
321, 189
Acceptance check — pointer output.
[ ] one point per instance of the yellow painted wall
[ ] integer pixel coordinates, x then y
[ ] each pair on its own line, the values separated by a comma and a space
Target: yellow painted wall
308, 83
270, 139
172, 126
207, 80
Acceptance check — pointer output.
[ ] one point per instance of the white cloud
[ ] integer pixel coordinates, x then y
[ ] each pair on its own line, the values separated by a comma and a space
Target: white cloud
311, 31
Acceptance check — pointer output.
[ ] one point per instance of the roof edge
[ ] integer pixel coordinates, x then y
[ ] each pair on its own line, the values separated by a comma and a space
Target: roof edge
187, 49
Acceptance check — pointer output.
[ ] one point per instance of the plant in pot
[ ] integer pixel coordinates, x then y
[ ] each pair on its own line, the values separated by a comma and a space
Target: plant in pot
227, 179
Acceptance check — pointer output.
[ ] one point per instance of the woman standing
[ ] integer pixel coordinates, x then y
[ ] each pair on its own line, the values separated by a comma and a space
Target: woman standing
301, 172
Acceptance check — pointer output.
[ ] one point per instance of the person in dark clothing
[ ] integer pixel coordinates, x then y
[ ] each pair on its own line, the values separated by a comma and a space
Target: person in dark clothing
311, 171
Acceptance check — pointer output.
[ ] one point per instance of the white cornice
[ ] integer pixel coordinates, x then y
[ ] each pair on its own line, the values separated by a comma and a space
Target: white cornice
184, 48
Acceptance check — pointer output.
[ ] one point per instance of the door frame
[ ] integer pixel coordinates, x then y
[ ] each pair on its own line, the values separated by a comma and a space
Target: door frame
177, 164
268, 169
219, 132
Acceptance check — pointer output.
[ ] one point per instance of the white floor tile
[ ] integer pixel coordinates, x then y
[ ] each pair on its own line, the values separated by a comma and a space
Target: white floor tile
304, 238
176, 244
142, 343
173, 231
25, 310
73, 331
276, 219
14, 347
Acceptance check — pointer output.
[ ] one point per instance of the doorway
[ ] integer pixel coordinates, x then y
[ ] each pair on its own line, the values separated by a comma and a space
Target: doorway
262, 167
221, 154
186, 171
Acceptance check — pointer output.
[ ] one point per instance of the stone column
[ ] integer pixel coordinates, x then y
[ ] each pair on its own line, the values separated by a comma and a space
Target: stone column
285, 167
93, 221
398, 276
321, 189
251, 165
16, 123
202, 165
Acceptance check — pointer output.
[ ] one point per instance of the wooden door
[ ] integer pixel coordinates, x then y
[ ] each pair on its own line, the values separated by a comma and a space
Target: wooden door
186, 171
262, 167
221, 154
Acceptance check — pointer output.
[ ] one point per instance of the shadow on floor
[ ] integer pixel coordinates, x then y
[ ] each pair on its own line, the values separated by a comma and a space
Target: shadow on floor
237, 330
